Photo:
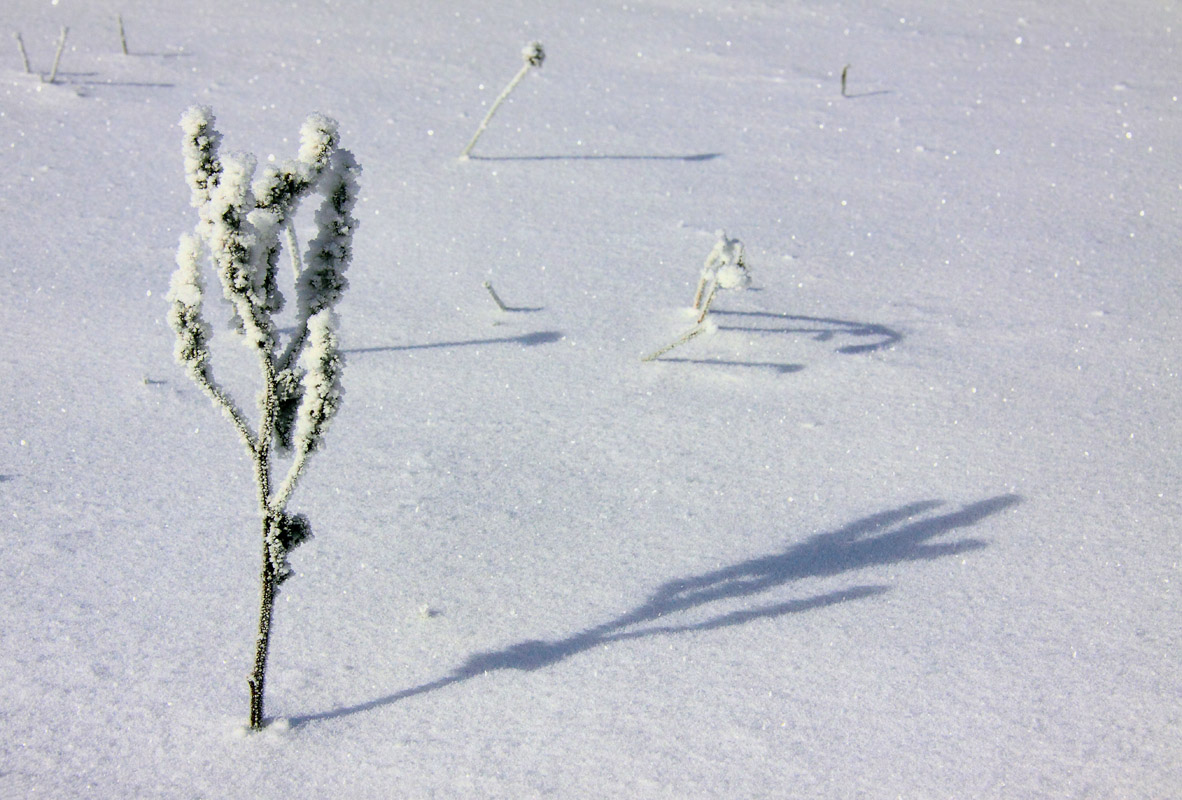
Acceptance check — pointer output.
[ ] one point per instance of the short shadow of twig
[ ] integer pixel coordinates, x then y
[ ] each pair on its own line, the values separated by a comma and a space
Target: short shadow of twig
823, 329
525, 340
858, 95
163, 54
900, 535
783, 369
619, 157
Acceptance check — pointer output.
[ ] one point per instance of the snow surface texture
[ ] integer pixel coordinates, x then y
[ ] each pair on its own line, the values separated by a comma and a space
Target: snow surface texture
904, 524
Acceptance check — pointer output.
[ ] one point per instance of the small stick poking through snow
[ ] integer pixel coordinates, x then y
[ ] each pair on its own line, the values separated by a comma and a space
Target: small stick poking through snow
496, 298
845, 71
20, 44
57, 59
533, 55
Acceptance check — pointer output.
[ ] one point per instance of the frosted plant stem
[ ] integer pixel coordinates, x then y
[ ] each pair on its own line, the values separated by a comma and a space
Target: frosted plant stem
709, 300
496, 298
690, 334
289, 482
20, 43
258, 675
271, 515
521, 73
701, 288
57, 59
293, 249
227, 405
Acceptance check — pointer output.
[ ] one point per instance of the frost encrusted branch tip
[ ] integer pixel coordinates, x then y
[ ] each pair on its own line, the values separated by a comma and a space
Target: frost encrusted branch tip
533, 54
725, 268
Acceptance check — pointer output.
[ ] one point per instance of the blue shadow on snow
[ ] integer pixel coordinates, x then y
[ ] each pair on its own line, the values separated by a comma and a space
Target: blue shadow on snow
900, 535
525, 340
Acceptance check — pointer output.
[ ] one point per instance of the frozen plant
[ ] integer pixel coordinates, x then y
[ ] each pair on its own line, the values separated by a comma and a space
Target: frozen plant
533, 56
725, 268
240, 221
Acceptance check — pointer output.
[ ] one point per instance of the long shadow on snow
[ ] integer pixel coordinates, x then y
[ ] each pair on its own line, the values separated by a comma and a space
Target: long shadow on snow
694, 157
890, 537
525, 340
783, 369
822, 328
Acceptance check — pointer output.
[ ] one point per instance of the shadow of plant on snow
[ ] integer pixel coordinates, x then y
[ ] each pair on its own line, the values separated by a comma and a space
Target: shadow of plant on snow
525, 340
822, 329
900, 535
603, 157
819, 329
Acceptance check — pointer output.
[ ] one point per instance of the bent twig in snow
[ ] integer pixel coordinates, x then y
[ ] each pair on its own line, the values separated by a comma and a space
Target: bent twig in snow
533, 55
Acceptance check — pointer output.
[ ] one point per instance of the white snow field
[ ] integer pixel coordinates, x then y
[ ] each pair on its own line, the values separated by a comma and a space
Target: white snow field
904, 523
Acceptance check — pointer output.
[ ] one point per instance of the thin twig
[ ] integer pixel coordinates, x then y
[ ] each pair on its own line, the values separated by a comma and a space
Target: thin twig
690, 334
20, 43
57, 59
709, 300
534, 56
496, 298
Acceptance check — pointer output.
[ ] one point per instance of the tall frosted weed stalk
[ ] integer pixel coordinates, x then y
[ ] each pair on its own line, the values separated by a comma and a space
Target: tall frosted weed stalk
240, 222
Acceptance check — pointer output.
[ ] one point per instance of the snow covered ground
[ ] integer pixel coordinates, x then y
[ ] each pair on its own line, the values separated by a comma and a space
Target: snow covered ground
904, 525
